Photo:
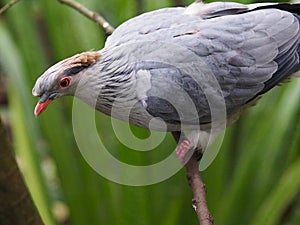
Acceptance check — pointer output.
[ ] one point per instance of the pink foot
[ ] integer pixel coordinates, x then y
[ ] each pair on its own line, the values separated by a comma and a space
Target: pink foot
184, 151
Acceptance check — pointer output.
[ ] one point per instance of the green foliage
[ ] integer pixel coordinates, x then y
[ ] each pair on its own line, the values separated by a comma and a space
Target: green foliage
254, 180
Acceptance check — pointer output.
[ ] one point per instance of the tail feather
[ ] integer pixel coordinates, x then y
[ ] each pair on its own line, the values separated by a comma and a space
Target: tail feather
288, 64
289, 7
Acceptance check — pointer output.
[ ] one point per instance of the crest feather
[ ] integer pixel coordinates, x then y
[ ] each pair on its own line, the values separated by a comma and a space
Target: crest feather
84, 59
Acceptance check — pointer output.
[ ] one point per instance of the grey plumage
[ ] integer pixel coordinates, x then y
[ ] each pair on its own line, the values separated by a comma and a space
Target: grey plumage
165, 63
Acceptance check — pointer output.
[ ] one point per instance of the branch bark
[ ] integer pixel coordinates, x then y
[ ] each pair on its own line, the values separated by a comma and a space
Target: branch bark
17, 207
96, 17
199, 191
197, 185
8, 5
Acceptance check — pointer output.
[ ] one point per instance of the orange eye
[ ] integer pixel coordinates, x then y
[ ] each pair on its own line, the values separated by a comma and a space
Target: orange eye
64, 82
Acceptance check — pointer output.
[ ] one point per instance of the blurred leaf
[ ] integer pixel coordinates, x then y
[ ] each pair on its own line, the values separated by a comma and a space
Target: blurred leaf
25, 131
253, 180
280, 197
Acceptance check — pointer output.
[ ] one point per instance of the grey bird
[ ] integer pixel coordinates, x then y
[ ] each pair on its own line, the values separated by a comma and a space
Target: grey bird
189, 67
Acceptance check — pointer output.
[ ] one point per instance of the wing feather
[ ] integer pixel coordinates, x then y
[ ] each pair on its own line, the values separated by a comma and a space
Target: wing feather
249, 49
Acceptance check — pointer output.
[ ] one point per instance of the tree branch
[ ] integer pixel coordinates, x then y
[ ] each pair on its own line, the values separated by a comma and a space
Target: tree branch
8, 5
199, 191
90, 14
197, 185
17, 207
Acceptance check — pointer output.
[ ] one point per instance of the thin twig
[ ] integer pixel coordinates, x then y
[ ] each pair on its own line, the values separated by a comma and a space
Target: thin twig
8, 5
197, 185
140, 5
178, 3
96, 17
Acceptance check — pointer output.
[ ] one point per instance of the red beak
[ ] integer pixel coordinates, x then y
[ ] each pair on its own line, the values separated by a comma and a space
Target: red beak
41, 106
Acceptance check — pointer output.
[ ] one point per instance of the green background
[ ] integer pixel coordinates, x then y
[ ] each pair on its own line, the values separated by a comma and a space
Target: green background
254, 180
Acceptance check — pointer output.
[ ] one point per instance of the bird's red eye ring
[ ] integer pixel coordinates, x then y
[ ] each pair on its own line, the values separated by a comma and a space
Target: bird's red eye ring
64, 82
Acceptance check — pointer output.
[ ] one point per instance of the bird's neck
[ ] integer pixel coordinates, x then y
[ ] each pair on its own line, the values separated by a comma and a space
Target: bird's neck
110, 85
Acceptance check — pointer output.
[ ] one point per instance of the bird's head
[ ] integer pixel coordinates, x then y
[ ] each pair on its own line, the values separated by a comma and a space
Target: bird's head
61, 79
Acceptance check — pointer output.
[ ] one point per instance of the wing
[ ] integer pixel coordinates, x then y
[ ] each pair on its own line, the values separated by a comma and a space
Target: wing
178, 89
248, 51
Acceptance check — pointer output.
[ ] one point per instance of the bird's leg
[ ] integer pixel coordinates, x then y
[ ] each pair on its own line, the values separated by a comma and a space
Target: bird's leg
183, 146
184, 151
187, 147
